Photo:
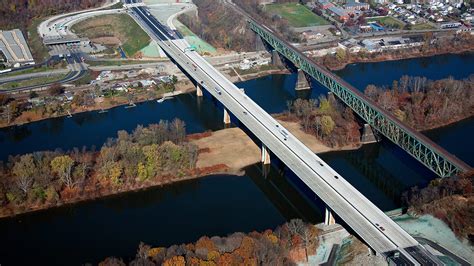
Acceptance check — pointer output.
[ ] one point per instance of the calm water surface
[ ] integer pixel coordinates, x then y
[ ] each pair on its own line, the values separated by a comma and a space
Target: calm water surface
215, 205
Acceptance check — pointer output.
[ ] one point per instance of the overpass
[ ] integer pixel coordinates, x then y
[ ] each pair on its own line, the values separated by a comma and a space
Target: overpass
370, 223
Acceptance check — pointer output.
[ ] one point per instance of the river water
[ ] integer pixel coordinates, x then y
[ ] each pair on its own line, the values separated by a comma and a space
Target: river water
219, 204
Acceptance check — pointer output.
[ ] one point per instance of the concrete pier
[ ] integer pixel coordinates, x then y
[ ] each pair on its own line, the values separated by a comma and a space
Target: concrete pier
265, 155
329, 218
198, 90
276, 60
368, 135
226, 117
302, 82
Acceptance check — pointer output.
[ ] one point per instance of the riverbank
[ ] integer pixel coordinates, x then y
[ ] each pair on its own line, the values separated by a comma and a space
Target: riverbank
216, 155
104, 105
392, 57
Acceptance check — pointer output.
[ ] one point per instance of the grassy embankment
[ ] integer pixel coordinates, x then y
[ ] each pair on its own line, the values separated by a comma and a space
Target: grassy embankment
113, 31
32, 81
38, 50
297, 15
388, 22
122, 62
422, 26
202, 46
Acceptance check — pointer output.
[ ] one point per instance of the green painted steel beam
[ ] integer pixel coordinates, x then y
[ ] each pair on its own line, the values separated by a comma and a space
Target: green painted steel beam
421, 148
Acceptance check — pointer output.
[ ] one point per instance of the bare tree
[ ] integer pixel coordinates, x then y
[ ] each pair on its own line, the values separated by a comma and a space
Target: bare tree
24, 171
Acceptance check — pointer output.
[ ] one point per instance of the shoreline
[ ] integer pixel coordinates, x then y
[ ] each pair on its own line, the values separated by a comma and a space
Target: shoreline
109, 191
383, 58
182, 89
206, 166
185, 87
215, 157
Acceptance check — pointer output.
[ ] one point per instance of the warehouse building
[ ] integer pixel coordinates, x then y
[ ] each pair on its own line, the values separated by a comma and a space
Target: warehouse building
14, 49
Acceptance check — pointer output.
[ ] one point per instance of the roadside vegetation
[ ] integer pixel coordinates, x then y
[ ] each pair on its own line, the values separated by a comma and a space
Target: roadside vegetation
120, 62
113, 31
425, 104
37, 48
202, 47
148, 156
296, 14
222, 27
422, 26
288, 244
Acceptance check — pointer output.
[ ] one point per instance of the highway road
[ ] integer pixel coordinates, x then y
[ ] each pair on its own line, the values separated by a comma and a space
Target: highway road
369, 222
77, 71
32, 75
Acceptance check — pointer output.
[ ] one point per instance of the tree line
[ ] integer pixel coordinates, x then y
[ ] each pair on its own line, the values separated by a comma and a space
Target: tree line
223, 27
288, 244
449, 199
327, 119
425, 104
157, 153
18, 13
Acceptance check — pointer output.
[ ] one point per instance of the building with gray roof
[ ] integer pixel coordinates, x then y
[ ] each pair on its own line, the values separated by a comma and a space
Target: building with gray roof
14, 48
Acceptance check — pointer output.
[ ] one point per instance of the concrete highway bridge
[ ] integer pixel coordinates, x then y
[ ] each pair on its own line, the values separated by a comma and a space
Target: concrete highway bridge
382, 234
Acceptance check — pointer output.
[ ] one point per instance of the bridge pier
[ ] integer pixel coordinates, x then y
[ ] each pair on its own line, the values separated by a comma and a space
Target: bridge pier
226, 117
329, 218
276, 60
265, 155
198, 90
302, 82
368, 135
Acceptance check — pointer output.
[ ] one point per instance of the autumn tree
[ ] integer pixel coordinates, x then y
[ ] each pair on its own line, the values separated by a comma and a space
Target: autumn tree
62, 166
327, 124
55, 89
309, 235
24, 171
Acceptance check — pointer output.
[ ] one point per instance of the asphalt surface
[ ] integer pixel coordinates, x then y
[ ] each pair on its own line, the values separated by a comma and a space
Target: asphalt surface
341, 197
77, 72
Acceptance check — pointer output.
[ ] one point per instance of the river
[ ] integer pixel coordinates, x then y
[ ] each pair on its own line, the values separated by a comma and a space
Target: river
219, 204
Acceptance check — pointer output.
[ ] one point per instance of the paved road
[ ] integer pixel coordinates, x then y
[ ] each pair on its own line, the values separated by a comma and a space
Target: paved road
43, 27
32, 75
348, 203
77, 70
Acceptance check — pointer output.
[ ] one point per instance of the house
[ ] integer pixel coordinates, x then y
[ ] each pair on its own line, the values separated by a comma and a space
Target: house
324, 4
353, 5
68, 96
146, 83
120, 87
341, 14
350, 45
14, 50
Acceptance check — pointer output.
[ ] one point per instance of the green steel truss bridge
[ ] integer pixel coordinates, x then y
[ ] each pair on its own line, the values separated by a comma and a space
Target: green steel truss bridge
416, 144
